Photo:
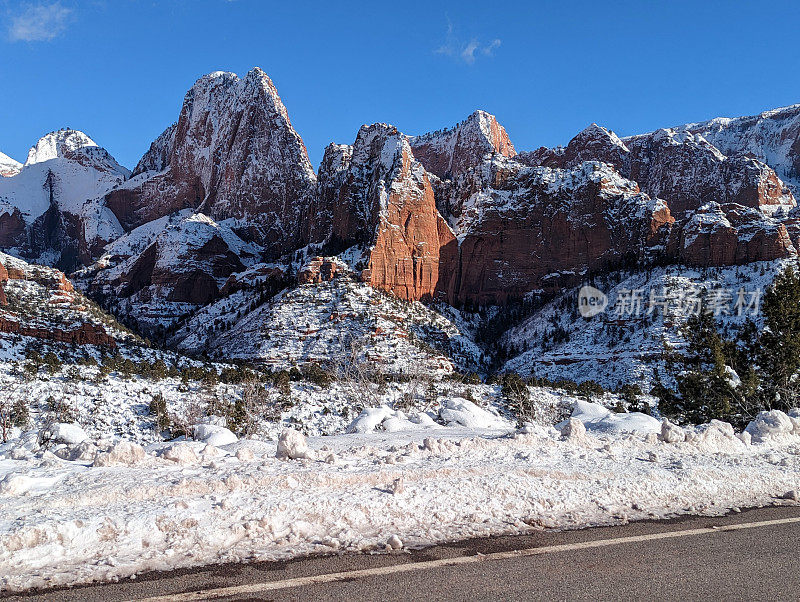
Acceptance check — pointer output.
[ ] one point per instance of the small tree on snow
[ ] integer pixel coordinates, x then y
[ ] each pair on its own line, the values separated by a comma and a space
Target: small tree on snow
779, 356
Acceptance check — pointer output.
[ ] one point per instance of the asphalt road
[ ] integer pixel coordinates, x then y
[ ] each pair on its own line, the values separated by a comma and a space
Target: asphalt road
751, 555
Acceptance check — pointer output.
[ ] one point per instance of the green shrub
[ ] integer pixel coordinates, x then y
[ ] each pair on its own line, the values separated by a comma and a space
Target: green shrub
158, 408
31, 369
515, 391
20, 415
52, 362
589, 389
314, 373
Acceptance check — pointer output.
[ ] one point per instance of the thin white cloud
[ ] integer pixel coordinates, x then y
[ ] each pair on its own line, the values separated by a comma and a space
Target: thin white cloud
39, 22
468, 54
465, 51
489, 49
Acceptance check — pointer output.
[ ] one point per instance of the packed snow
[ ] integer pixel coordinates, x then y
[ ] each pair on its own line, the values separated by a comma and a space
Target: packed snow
124, 509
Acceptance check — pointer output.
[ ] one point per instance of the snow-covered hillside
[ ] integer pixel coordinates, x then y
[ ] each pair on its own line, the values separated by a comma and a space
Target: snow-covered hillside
626, 342
331, 322
771, 136
39, 303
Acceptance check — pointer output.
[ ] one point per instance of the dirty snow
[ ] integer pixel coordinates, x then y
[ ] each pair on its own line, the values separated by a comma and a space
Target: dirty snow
188, 504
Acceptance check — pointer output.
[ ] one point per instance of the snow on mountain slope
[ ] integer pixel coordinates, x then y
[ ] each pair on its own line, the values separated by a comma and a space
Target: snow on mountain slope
233, 154
687, 170
238, 175
772, 137
65, 183
617, 348
455, 215
51, 207
558, 190
336, 320
166, 269
678, 165
8, 166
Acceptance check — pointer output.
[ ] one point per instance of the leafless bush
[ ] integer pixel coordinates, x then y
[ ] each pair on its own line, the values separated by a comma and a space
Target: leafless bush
60, 409
183, 422
355, 373
256, 402
6, 421
419, 389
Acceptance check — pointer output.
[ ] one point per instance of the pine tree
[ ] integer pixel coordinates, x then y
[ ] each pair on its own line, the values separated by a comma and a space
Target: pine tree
705, 390
779, 357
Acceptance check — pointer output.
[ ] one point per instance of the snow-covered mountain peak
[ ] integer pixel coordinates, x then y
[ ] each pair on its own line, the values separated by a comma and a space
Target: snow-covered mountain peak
772, 137
775, 116
8, 166
232, 155
208, 122
57, 145
222, 91
594, 131
491, 130
383, 137
449, 152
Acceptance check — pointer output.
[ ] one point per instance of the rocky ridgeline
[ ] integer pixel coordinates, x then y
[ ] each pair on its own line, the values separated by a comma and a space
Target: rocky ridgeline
228, 193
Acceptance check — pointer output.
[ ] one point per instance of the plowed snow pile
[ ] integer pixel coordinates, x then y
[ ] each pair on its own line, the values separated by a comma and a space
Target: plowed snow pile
191, 503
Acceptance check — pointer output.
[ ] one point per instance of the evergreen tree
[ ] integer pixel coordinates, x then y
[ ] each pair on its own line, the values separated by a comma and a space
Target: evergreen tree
779, 356
767, 364
706, 390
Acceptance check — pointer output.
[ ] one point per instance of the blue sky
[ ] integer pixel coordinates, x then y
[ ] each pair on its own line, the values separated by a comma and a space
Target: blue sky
118, 69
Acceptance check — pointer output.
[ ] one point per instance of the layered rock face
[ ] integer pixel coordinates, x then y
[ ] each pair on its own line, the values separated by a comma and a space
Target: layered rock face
451, 155
676, 165
379, 196
234, 155
730, 234
542, 220
543, 228
51, 210
319, 269
698, 206
521, 229
41, 302
728, 208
